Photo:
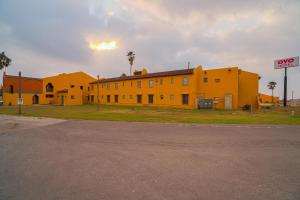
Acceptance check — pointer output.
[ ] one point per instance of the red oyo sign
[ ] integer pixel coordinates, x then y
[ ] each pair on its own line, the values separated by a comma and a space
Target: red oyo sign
286, 62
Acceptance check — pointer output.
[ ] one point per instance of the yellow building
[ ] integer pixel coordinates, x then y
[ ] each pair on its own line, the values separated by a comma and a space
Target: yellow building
63, 89
226, 88
66, 89
264, 98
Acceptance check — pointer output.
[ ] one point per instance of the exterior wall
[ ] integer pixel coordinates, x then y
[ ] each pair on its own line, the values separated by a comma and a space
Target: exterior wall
167, 91
12, 99
76, 84
248, 89
219, 82
29, 88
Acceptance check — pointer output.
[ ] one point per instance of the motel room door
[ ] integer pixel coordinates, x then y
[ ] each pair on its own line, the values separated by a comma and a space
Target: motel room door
228, 101
62, 100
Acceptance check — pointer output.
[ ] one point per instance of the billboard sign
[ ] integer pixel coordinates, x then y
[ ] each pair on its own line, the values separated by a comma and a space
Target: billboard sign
286, 62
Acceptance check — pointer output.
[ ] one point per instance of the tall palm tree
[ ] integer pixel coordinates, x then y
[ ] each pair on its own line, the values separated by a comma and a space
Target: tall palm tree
271, 86
131, 57
4, 61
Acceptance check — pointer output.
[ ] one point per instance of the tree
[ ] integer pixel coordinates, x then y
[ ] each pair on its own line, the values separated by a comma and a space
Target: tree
4, 61
271, 86
131, 57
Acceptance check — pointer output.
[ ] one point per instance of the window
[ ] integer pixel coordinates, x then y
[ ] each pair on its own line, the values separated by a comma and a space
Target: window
205, 80
81, 87
123, 83
185, 99
108, 98
72, 86
161, 81
11, 89
107, 86
131, 83
139, 98
92, 87
172, 97
217, 80
150, 98
185, 81
116, 98
139, 84
130, 97
161, 97
172, 80
88, 88
72, 97
151, 83
124, 97
49, 95
49, 87
116, 86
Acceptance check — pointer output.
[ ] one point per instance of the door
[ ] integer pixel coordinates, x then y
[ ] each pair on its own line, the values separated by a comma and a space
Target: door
62, 100
35, 99
228, 101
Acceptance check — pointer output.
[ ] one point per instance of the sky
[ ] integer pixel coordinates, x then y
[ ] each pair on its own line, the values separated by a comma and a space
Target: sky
48, 37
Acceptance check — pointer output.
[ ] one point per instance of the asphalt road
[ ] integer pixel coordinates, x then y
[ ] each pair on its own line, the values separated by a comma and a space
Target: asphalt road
118, 160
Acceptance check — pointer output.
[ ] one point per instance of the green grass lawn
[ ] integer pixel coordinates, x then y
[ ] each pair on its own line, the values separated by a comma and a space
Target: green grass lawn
158, 114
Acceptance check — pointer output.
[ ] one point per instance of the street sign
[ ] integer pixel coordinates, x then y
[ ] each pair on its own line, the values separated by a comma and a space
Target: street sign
20, 101
286, 62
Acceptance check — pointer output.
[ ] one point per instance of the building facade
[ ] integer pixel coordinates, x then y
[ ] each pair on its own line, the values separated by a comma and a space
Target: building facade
31, 88
63, 89
225, 88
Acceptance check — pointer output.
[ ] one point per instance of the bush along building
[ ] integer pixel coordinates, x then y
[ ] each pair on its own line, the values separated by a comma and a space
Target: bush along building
224, 88
62, 89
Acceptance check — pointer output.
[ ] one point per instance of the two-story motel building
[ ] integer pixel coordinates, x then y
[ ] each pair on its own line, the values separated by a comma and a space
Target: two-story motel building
224, 88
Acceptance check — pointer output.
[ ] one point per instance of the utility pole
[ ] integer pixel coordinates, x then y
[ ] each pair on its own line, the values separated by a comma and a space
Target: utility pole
20, 93
285, 87
98, 92
189, 65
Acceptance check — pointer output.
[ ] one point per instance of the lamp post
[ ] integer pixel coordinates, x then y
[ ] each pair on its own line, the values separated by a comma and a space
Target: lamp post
20, 93
98, 99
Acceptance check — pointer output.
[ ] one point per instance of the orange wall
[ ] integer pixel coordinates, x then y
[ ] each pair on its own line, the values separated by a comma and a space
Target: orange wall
248, 89
29, 85
228, 84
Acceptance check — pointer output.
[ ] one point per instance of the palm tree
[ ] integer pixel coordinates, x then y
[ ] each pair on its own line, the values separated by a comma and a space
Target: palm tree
271, 86
131, 57
4, 61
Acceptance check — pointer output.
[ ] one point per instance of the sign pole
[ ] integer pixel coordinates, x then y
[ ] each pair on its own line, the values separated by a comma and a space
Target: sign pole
20, 94
285, 87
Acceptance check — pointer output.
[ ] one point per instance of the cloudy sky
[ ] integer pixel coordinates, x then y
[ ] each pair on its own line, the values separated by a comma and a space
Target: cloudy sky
46, 37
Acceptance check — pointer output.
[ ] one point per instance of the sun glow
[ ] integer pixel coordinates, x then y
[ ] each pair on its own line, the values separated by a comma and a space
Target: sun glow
105, 45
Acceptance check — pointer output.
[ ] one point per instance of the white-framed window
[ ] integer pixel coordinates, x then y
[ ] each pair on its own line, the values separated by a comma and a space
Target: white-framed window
151, 83
139, 84
185, 81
